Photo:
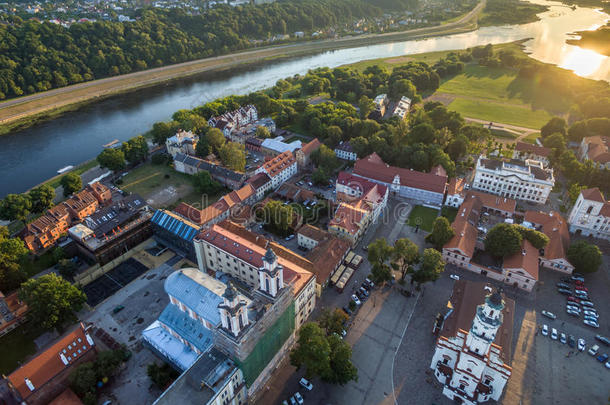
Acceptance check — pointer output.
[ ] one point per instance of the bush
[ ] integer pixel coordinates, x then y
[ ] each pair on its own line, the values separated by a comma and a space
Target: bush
162, 375
159, 159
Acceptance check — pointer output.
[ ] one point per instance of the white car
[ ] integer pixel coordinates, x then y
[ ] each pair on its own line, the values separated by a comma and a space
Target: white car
298, 397
588, 312
355, 299
545, 330
590, 323
593, 350
581, 344
563, 339
306, 384
454, 276
549, 314
554, 334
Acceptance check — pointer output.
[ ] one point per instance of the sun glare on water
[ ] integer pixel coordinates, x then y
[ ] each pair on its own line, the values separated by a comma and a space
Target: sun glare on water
583, 62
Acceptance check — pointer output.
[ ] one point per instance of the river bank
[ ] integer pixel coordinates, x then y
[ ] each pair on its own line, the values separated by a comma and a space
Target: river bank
23, 112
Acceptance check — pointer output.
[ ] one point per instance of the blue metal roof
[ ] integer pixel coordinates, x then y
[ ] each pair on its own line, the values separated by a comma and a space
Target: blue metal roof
174, 225
195, 296
188, 328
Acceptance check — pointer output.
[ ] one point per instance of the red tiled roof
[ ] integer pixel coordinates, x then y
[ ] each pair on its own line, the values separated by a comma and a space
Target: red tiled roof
556, 228
311, 146
278, 164
327, 256
534, 149
456, 185
373, 167
312, 232
349, 217
526, 259
593, 194
68, 397
48, 364
493, 201
598, 148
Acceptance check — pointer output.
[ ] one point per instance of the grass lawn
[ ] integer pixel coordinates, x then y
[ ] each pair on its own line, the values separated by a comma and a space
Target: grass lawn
500, 133
16, 346
422, 216
449, 213
501, 113
149, 179
35, 264
531, 138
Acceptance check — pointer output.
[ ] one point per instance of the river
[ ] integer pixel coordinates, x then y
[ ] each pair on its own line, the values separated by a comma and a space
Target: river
32, 155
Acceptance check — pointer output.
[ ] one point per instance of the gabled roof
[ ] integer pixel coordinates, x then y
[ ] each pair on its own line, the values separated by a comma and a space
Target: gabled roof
491, 201
348, 217
327, 256
593, 194
259, 180
47, 364
311, 146
526, 259
312, 232
556, 228
186, 327
533, 149
456, 185
278, 164
373, 167
598, 150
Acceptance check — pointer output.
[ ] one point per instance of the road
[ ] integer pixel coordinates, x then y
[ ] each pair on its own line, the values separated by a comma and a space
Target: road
17, 109
521, 131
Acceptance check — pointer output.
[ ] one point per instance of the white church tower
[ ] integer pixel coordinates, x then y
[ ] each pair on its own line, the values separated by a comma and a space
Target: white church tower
271, 275
485, 325
233, 311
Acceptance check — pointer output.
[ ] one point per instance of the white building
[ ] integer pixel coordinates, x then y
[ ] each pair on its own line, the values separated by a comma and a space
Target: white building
528, 181
183, 142
455, 192
279, 169
233, 120
345, 151
276, 146
381, 103
474, 347
229, 248
590, 216
402, 108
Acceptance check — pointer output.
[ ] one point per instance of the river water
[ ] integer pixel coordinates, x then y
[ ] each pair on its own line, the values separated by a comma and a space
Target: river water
30, 156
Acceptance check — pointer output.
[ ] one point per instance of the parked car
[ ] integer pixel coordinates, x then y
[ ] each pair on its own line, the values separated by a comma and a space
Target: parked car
545, 330
297, 396
369, 282
549, 314
577, 274
591, 318
591, 315
454, 276
564, 291
363, 291
574, 307
607, 364
563, 285
366, 287
573, 299
355, 299
577, 278
563, 339
347, 310
591, 323
554, 334
306, 384
360, 295
571, 341
118, 309
289, 238
293, 401
602, 358
572, 312
603, 339
579, 284
593, 350
581, 344
586, 303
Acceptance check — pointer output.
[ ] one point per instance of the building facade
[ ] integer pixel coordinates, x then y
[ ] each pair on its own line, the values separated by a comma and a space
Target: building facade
472, 353
590, 215
528, 181
526, 151
279, 169
597, 150
345, 151
303, 155
182, 142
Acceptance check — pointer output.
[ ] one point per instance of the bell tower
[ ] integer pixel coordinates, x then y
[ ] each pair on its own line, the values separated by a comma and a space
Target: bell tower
271, 275
485, 325
233, 311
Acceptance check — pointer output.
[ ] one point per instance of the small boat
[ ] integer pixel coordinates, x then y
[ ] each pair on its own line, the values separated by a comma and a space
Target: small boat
109, 144
65, 169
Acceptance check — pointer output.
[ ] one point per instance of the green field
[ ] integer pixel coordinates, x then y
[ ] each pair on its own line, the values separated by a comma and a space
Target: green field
531, 138
422, 216
500, 113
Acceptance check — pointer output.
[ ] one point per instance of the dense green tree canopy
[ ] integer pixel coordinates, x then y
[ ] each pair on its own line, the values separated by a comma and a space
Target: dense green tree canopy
112, 159
71, 183
586, 257
52, 301
441, 233
12, 251
503, 240
42, 198
15, 206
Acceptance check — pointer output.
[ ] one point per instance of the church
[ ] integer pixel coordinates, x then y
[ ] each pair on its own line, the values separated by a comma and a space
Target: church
473, 350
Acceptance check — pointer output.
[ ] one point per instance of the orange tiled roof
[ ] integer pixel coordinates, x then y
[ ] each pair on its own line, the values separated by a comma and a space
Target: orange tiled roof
526, 259
48, 364
456, 185
493, 201
275, 166
556, 228
68, 397
311, 146
598, 150
349, 217
327, 256
312, 232
593, 194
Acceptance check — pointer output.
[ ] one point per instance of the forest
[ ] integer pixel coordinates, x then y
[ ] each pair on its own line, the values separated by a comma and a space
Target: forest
36, 57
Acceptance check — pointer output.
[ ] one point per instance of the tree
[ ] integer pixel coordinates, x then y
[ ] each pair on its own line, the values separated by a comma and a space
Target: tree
333, 322
216, 139
42, 198
163, 130
204, 183
378, 254
366, 106
162, 375
71, 183
402, 87
319, 176
135, 150
574, 191
112, 159
278, 217
404, 254
503, 240
83, 379
458, 147
15, 207
325, 158
432, 265
442, 232
233, 156
341, 370
536, 238
67, 268
262, 132
312, 351
12, 251
585, 257
202, 148
555, 125
51, 300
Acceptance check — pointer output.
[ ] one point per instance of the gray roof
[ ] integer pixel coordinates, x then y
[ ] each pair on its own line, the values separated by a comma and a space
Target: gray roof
188, 328
214, 170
